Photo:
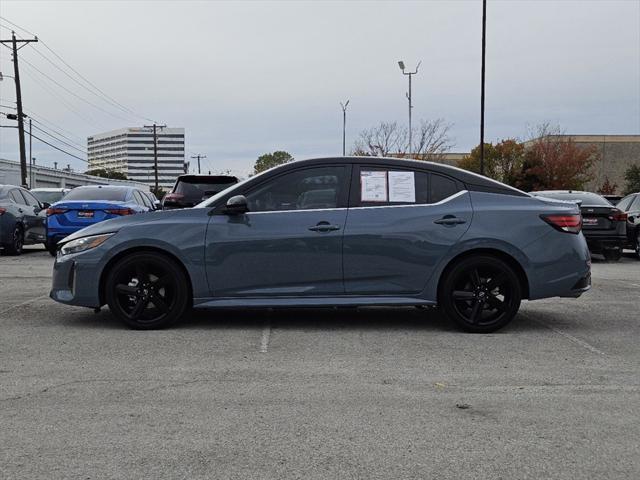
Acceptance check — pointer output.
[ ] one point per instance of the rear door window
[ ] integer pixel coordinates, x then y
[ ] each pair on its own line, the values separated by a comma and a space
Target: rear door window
16, 197
30, 199
625, 203
442, 187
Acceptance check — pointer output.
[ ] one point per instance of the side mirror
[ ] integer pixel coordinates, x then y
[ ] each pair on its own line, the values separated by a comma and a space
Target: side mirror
157, 205
45, 205
236, 205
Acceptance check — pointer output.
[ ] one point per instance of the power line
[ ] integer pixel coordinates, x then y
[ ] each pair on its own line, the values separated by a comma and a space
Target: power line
52, 126
57, 139
72, 92
111, 99
70, 106
81, 143
59, 149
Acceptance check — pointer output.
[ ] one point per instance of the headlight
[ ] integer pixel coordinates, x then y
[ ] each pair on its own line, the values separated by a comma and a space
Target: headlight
84, 243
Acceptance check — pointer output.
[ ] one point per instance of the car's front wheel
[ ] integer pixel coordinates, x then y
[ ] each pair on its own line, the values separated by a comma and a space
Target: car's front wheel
147, 290
480, 293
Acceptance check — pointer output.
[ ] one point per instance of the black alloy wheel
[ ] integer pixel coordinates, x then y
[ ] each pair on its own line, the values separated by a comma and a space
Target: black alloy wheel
480, 293
147, 291
14, 247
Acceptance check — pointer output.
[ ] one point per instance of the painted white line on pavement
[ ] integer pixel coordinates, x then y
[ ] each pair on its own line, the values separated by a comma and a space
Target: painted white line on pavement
26, 302
266, 335
566, 335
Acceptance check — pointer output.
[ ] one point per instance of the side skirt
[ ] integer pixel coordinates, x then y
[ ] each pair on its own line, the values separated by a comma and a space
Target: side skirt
346, 301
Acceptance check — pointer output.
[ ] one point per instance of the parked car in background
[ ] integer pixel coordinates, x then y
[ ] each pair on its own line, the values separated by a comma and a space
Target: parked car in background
157, 204
189, 190
334, 232
604, 226
613, 199
49, 195
631, 205
22, 219
84, 206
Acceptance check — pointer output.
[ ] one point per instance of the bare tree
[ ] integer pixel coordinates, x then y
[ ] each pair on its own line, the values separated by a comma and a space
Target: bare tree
381, 140
430, 140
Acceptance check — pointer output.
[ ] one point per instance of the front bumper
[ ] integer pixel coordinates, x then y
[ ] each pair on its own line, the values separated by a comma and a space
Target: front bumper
76, 282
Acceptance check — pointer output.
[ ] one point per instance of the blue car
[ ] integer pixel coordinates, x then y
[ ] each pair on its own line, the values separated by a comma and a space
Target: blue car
84, 206
347, 231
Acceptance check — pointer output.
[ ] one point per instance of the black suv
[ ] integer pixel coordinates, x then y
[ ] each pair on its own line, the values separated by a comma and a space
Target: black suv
631, 205
190, 190
603, 225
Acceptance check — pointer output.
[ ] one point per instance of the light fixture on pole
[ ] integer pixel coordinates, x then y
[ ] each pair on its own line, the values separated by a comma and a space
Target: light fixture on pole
344, 125
409, 74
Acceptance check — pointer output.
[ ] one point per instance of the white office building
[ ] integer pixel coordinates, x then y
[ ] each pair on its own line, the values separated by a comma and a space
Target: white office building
130, 151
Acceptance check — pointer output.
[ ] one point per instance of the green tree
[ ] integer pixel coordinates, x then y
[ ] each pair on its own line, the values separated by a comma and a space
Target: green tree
502, 161
632, 176
159, 193
270, 160
104, 173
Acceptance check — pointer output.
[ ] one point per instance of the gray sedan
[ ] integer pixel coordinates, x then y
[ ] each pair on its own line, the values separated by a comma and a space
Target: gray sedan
348, 231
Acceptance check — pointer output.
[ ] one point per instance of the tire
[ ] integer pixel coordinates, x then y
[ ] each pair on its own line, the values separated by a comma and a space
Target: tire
52, 247
612, 254
147, 291
637, 246
480, 294
14, 247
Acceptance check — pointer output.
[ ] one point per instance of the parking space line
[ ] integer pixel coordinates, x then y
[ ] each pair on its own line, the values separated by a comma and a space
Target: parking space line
266, 335
566, 335
26, 302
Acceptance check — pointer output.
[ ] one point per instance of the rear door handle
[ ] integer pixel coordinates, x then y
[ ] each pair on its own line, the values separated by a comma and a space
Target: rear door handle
450, 220
324, 227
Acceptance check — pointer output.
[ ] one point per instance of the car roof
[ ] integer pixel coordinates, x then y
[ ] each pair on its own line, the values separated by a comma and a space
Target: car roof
49, 189
109, 187
196, 176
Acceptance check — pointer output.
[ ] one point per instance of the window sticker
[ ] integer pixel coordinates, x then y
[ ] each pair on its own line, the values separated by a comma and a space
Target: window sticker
402, 187
373, 186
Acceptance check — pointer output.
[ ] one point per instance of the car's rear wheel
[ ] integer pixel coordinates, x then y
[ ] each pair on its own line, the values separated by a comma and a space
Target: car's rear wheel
147, 290
480, 294
14, 246
612, 254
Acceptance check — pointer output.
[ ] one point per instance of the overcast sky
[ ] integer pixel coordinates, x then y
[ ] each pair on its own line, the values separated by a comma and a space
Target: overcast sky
245, 78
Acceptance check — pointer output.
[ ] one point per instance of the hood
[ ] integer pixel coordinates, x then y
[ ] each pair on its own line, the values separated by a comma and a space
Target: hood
116, 224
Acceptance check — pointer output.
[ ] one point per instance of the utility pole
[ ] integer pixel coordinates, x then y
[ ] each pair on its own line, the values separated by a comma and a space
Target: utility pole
484, 30
409, 74
23, 155
344, 125
199, 157
155, 151
30, 158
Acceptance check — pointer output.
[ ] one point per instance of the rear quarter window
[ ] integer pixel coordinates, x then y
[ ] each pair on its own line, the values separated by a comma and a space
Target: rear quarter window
442, 187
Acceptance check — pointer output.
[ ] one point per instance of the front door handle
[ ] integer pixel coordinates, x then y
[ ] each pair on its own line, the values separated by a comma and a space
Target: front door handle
450, 220
324, 227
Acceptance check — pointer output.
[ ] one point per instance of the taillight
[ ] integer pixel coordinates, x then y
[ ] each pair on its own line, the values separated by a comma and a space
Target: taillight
174, 196
55, 211
618, 216
2, 210
571, 223
120, 211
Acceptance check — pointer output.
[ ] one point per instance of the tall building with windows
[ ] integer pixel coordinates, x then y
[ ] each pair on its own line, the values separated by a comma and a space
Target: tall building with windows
130, 151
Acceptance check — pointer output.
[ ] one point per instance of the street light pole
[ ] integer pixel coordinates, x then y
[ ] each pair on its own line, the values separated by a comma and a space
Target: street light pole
409, 74
484, 30
344, 125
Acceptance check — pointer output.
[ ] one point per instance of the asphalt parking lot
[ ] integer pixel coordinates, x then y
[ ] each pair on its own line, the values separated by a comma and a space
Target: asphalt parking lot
371, 393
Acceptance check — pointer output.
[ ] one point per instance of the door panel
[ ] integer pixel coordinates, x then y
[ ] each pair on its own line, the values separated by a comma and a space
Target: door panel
276, 253
394, 249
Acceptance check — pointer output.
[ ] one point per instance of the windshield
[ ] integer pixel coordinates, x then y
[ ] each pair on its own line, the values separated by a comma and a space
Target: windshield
586, 198
114, 194
48, 197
